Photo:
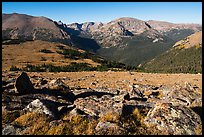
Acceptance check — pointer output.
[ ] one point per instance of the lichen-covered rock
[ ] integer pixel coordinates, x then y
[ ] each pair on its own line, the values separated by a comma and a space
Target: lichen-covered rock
144, 91
8, 130
107, 128
11, 130
98, 106
183, 96
42, 106
23, 84
173, 120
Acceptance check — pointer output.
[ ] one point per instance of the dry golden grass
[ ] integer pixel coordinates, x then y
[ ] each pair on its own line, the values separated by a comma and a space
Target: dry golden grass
198, 130
136, 113
192, 40
61, 129
29, 52
8, 116
110, 117
37, 124
80, 125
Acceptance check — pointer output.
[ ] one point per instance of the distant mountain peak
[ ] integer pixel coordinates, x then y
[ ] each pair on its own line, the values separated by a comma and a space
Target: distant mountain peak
126, 19
26, 27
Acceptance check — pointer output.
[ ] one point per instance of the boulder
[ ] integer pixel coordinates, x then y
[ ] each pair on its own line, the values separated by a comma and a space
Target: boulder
99, 106
23, 84
183, 96
42, 106
173, 120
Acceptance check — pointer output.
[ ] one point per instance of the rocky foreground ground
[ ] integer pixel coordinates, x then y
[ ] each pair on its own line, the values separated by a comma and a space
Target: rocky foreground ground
101, 103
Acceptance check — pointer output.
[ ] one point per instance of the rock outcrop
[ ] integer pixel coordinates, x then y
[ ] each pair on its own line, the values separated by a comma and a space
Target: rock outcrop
173, 120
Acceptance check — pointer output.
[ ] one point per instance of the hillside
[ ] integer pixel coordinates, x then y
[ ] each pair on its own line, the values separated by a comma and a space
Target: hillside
190, 41
137, 49
55, 57
185, 56
32, 53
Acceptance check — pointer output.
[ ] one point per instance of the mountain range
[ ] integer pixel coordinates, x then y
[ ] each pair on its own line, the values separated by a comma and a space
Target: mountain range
126, 40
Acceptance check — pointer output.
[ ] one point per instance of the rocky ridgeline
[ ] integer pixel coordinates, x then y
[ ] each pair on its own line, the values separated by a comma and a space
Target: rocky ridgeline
175, 110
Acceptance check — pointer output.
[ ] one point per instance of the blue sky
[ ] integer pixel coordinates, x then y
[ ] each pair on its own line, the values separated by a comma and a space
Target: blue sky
69, 12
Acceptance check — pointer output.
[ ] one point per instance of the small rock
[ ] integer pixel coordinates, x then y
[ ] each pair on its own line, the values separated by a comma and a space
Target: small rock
77, 111
166, 91
188, 86
4, 108
64, 109
119, 98
155, 88
93, 83
43, 81
127, 97
57, 83
9, 130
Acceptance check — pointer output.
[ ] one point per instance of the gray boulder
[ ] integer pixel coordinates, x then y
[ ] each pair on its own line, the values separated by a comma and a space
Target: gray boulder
173, 120
42, 106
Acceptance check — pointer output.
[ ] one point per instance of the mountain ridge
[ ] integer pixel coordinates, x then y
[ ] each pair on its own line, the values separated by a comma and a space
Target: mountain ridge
106, 39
